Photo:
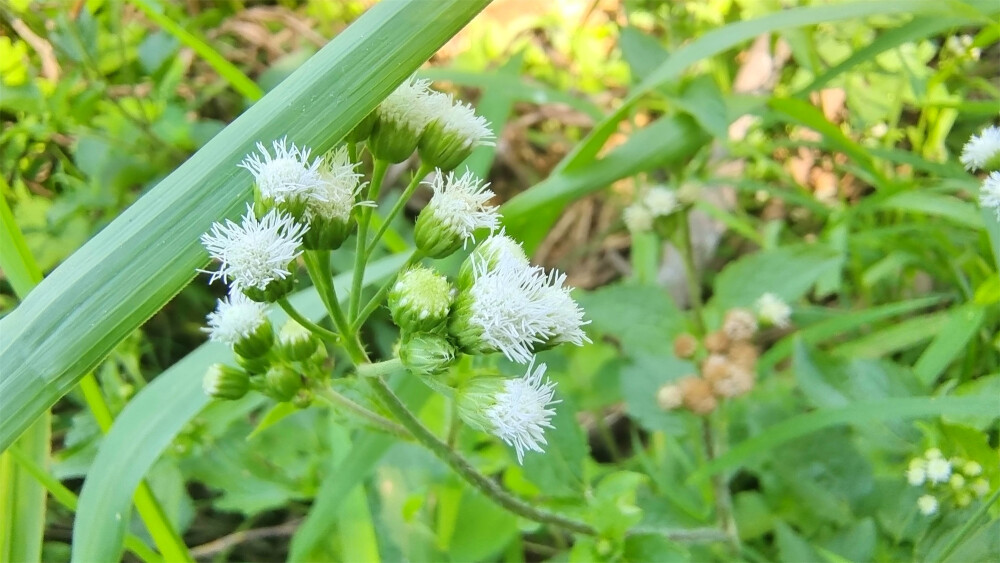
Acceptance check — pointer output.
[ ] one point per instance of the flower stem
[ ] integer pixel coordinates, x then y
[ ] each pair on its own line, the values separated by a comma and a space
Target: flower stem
380, 369
693, 283
420, 174
720, 488
379, 296
379, 169
378, 421
318, 265
323, 333
465, 469
352, 152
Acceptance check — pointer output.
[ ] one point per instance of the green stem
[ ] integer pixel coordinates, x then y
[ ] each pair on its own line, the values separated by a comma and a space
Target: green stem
693, 283
379, 296
380, 369
420, 174
378, 421
720, 489
361, 256
966, 528
297, 317
352, 152
167, 540
465, 469
318, 264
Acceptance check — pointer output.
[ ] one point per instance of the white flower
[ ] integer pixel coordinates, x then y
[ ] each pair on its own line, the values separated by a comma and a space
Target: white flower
972, 469
460, 119
521, 414
660, 201
459, 204
499, 246
638, 218
928, 505
989, 193
288, 175
235, 318
669, 397
981, 149
412, 105
938, 470
512, 307
773, 311
981, 486
916, 476
337, 188
255, 252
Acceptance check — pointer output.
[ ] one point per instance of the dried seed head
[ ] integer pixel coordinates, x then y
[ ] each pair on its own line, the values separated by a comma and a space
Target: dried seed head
697, 395
744, 354
739, 324
737, 381
714, 368
685, 345
669, 397
717, 342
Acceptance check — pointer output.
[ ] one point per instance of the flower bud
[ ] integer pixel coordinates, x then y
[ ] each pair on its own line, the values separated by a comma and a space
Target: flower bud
685, 345
282, 382
225, 382
362, 130
698, 397
475, 398
427, 354
669, 397
420, 299
243, 324
739, 324
717, 342
489, 253
451, 136
456, 210
296, 342
303, 398
401, 119
330, 210
254, 365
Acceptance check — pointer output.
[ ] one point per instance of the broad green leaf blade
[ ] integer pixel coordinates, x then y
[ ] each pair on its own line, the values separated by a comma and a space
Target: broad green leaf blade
135, 265
856, 413
787, 272
950, 343
149, 424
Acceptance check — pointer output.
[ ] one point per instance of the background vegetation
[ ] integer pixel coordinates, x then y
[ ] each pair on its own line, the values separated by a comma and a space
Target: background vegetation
821, 139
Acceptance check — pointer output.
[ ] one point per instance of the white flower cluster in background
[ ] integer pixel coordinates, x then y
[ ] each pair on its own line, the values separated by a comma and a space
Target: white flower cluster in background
982, 152
773, 311
641, 215
956, 480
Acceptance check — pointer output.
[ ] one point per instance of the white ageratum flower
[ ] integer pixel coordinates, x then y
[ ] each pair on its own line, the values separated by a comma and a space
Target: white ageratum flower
520, 412
660, 201
337, 189
255, 252
928, 505
235, 318
989, 192
982, 150
456, 210
495, 248
772, 310
514, 309
402, 117
916, 473
638, 218
286, 176
938, 470
456, 129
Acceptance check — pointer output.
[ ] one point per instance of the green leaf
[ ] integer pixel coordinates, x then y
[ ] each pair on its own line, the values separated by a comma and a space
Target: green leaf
18, 265
642, 379
787, 272
560, 471
889, 340
950, 343
938, 205
640, 318
138, 262
481, 529
150, 422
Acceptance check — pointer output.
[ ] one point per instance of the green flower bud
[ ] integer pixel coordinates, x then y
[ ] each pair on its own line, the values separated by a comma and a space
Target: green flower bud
457, 209
330, 213
475, 399
327, 233
489, 253
427, 354
296, 342
451, 136
254, 365
400, 120
225, 382
303, 398
362, 130
282, 382
420, 299
273, 291
257, 343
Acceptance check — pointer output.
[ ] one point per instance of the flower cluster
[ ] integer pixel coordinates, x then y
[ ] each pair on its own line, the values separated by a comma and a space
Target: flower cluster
982, 152
306, 206
956, 480
727, 360
643, 214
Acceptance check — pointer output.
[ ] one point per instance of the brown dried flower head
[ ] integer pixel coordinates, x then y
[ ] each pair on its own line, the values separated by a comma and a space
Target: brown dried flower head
715, 367
737, 381
744, 354
739, 324
698, 397
685, 345
717, 342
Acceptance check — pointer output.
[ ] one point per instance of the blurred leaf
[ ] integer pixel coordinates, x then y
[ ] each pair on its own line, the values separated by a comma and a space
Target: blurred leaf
640, 318
985, 386
640, 381
886, 341
787, 272
641, 548
559, 472
791, 547
950, 343
482, 528
939, 205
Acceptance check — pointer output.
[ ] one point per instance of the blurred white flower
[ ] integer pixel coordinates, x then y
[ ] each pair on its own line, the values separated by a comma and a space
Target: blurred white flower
638, 218
660, 201
521, 411
989, 193
286, 176
772, 310
982, 150
928, 505
938, 470
235, 317
255, 252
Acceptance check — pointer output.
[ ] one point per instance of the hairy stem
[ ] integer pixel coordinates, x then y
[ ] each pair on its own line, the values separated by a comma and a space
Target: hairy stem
378, 421
421, 172
465, 469
318, 264
323, 333
361, 257
693, 283
720, 488
380, 369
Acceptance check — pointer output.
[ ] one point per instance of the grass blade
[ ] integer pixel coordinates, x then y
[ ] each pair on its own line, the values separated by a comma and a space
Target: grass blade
135, 265
149, 424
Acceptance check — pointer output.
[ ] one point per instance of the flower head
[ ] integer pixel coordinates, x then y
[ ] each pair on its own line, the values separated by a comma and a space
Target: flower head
402, 117
989, 192
520, 413
455, 130
225, 382
660, 201
983, 150
456, 210
669, 397
928, 505
255, 252
288, 175
235, 318
420, 299
739, 324
938, 470
773, 311
916, 473
638, 218
336, 190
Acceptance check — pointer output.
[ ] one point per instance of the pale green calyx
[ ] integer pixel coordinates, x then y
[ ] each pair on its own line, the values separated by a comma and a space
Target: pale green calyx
225, 382
401, 118
296, 342
454, 132
427, 354
420, 300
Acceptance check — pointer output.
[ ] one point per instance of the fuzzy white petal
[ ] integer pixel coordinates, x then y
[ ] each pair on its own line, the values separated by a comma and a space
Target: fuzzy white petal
981, 148
521, 411
660, 201
772, 310
338, 187
287, 175
412, 105
255, 252
638, 218
461, 119
235, 317
460, 204
989, 193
